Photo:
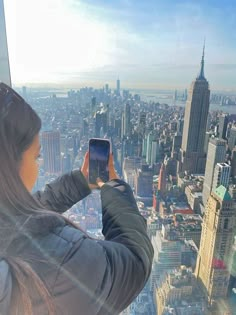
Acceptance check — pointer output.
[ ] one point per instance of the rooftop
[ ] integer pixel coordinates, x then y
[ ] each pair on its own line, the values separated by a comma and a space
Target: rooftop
222, 193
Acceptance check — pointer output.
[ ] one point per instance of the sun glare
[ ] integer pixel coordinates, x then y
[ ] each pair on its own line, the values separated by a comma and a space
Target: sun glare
47, 39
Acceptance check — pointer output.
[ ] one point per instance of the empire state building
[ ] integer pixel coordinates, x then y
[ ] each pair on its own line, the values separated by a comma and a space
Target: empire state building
192, 157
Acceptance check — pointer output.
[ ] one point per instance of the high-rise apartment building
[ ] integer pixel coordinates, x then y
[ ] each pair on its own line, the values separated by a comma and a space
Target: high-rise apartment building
167, 256
144, 184
221, 175
5, 75
101, 122
192, 157
217, 237
180, 126
177, 140
223, 123
130, 165
93, 105
66, 163
233, 164
179, 293
142, 122
162, 180
150, 139
232, 138
169, 253
126, 116
155, 152
51, 151
216, 154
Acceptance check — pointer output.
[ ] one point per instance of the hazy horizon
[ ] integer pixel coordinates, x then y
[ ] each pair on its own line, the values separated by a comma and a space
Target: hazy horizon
112, 85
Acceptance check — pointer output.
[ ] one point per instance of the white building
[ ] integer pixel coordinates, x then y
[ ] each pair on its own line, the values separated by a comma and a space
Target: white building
216, 154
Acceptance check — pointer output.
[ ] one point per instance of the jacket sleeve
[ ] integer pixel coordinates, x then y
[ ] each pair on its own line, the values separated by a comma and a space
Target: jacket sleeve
104, 276
61, 194
128, 250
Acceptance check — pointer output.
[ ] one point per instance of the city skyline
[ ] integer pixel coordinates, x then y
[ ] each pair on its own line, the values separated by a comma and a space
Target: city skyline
148, 45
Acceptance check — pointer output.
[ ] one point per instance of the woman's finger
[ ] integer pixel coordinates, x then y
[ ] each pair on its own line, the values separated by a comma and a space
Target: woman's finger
112, 171
84, 168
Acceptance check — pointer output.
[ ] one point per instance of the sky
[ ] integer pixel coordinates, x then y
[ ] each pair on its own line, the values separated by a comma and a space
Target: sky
148, 44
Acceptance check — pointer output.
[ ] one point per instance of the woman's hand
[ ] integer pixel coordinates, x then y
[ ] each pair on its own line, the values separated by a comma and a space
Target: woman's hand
100, 183
112, 171
84, 170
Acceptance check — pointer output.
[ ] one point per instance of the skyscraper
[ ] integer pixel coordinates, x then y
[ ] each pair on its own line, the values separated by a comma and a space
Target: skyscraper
142, 123
179, 285
93, 105
196, 111
232, 138
144, 183
155, 152
180, 126
5, 75
233, 164
51, 151
150, 139
177, 139
162, 180
223, 123
118, 87
216, 154
66, 163
126, 128
217, 237
167, 255
101, 122
221, 175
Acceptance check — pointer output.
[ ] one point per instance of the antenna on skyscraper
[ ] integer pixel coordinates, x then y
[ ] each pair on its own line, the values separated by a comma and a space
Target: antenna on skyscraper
203, 51
201, 74
5, 75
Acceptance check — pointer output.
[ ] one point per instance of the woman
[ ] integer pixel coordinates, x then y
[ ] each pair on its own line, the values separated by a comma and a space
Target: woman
47, 265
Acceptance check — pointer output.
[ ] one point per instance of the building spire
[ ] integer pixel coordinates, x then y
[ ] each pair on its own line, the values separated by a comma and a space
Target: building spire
201, 74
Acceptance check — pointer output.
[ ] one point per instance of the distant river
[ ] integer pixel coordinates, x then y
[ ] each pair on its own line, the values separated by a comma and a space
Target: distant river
168, 99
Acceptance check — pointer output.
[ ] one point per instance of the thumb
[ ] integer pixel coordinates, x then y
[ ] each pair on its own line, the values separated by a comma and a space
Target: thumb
100, 183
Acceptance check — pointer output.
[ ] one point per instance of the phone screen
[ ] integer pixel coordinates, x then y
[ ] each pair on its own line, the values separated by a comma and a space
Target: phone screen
99, 150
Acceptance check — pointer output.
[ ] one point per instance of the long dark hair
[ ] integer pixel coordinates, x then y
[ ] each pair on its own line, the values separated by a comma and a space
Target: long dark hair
19, 125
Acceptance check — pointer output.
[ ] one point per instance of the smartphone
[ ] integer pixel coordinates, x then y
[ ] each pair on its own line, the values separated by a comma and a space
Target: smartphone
99, 151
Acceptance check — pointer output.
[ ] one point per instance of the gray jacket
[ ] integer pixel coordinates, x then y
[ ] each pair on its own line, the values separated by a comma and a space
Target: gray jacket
84, 276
